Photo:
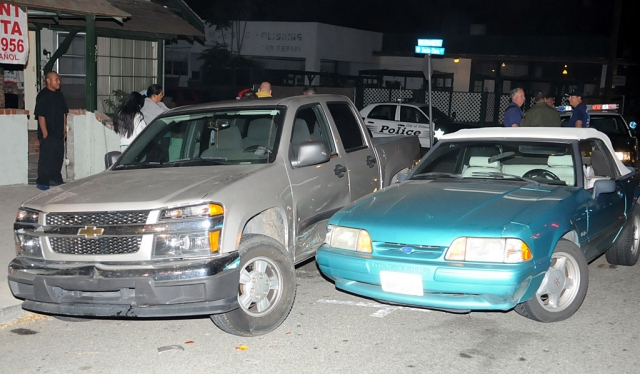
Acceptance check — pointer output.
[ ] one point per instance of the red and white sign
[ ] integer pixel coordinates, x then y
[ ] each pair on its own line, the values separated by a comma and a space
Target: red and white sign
14, 35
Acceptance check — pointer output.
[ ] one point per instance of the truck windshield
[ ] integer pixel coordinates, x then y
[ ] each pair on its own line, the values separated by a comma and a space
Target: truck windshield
223, 136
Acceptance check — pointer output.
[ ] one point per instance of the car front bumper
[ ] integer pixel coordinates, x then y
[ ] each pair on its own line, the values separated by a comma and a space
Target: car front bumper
455, 287
142, 289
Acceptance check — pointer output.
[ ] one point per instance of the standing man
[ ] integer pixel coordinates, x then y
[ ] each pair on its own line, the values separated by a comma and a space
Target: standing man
541, 114
51, 111
513, 114
264, 90
550, 100
579, 117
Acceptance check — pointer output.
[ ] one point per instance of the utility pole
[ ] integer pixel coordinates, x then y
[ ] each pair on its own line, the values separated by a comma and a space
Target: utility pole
613, 51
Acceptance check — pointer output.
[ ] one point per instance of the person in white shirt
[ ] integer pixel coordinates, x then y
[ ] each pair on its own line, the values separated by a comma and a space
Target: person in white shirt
153, 105
128, 121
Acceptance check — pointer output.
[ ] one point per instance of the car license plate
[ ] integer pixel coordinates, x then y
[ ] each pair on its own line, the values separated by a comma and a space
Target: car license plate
407, 284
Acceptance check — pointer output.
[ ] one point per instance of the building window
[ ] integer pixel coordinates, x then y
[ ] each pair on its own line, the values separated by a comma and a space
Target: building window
176, 67
71, 66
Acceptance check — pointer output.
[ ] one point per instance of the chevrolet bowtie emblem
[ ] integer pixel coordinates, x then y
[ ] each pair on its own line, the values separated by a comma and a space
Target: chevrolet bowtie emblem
91, 232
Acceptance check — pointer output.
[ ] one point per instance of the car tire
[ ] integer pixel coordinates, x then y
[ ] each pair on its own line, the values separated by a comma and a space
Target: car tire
266, 291
563, 288
625, 250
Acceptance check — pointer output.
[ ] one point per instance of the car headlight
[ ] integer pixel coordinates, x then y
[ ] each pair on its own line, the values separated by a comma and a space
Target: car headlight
623, 156
488, 250
192, 240
348, 238
28, 246
27, 216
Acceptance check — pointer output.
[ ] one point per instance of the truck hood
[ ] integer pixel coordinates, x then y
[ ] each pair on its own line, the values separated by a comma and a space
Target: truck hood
138, 189
436, 212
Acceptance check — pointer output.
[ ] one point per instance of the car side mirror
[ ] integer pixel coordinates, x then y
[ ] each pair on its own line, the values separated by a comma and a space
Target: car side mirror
401, 177
603, 186
110, 158
310, 153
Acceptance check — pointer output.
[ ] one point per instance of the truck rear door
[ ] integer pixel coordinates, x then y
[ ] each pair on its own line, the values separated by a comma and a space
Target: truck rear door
363, 167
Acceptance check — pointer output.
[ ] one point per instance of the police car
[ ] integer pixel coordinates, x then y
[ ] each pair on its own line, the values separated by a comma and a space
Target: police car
388, 119
605, 118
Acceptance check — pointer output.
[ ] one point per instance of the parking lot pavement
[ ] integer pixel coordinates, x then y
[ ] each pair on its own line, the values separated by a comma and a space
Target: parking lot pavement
329, 331
10, 199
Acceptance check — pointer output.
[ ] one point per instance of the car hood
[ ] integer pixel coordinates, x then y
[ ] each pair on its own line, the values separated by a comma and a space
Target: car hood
620, 142
436, 212
138, 189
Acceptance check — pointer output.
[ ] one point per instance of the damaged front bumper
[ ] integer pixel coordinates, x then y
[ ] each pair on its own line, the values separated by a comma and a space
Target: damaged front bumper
200, 286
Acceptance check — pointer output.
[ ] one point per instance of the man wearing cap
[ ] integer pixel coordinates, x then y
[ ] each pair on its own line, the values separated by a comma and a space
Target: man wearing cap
513, 114
541, 114
579, 116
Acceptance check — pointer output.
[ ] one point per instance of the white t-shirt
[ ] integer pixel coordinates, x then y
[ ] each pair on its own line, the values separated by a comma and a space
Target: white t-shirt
138, 125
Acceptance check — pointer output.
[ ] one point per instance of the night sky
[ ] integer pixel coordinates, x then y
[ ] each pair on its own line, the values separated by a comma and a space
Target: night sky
438, 17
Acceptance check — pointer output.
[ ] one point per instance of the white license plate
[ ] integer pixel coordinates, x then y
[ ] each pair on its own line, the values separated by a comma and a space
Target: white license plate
407, 284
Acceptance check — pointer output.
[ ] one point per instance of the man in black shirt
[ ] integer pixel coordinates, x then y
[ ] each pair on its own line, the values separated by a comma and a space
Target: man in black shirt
51, 111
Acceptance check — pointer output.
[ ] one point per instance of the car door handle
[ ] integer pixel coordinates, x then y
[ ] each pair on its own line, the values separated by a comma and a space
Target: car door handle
371, 161
370, 122
340, 170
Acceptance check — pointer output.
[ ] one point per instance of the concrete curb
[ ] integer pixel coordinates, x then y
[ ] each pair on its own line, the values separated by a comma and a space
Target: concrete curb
11, 313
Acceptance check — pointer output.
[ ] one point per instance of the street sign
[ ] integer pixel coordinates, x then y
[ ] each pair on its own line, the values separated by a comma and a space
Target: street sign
619, 80
429, 50
430, 42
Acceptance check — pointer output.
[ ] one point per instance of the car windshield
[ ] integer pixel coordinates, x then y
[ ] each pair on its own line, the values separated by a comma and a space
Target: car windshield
537, 162
216, 137
608, 124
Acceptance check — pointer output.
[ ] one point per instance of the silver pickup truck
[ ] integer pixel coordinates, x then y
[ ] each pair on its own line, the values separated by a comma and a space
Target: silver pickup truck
206, 213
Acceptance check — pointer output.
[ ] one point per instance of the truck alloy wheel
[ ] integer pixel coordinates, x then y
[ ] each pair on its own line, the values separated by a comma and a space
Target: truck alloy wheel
266, 289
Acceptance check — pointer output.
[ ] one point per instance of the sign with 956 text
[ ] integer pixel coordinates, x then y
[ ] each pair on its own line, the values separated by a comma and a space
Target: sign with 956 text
14, 35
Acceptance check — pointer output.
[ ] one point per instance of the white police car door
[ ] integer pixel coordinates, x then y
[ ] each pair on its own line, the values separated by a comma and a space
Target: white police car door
413, 122
382, 120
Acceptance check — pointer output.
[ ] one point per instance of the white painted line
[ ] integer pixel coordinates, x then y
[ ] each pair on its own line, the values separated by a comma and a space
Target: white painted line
384, 309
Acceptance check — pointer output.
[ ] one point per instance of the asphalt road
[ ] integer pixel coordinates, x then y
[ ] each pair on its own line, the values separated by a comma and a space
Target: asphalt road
329, 331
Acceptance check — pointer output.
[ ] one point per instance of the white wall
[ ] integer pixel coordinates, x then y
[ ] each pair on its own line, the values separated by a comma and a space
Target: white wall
14, 167
88, 140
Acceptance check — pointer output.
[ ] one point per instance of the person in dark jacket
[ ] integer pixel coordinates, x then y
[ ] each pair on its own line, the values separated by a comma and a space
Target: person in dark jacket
51, 111
541, 114
580, 117
513, 114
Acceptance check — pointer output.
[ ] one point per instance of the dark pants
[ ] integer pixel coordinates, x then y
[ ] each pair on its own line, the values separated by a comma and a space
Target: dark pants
50, 161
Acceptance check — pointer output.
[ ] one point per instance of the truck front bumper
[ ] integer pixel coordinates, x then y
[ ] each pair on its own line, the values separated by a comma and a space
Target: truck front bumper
141, 289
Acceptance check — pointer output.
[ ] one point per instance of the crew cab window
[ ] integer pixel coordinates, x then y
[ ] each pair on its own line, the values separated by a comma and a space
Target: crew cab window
385, 112
348, 126
413, 115
310, 124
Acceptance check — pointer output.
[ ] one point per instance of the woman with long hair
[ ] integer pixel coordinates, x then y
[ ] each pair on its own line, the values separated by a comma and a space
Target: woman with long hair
128, 121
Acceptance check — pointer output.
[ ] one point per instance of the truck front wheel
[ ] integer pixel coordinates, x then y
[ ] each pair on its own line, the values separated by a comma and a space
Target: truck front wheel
266, 290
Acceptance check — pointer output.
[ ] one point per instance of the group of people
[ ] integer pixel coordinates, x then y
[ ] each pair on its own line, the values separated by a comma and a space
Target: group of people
544, 113
51, 112
264, 91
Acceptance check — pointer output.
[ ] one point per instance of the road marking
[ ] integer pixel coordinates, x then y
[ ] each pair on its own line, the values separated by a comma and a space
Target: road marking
384, 309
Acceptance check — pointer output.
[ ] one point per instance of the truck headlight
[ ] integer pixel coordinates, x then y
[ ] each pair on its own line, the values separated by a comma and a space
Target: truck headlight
28, 246
623, 156
348, 238
488, 250
27, 216
193, 211
198, 238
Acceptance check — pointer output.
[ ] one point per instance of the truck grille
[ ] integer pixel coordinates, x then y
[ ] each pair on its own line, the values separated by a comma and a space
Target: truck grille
97, 218
102, 246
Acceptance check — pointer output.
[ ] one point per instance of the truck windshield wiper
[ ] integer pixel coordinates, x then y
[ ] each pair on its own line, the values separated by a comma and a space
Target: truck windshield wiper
139, 165
197, 161
437, 174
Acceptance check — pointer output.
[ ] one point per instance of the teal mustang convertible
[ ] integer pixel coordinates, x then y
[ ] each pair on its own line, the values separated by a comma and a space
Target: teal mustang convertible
491, 219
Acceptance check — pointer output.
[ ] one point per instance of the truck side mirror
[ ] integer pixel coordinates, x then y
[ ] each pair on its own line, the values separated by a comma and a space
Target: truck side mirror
603, 186
110, 158
310, 153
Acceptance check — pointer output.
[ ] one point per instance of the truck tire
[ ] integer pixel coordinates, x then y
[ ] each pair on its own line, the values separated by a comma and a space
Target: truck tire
625, 250
266, 291
563, 288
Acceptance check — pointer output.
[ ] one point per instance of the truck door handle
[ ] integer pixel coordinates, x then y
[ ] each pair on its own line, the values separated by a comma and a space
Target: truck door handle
369, 121
340, 170
371, 161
